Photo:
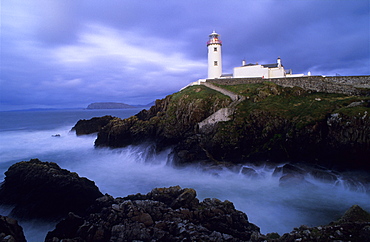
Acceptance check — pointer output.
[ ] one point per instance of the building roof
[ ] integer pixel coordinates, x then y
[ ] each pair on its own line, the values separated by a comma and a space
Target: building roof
275, 65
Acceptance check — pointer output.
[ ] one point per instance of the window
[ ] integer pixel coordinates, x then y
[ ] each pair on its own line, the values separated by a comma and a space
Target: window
215, 49
215, 63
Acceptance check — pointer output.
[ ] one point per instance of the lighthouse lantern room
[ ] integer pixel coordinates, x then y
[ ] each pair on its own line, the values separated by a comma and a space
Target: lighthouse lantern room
214, 56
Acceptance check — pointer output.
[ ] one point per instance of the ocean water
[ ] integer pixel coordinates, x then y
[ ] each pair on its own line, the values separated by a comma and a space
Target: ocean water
137, 169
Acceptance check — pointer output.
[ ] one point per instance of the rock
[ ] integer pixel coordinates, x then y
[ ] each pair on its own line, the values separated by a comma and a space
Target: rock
90, 126
10, 231
164, 214
294, 180
353, 226
66, 227
43, 190
291, 169
323, 175
355, 214
249, 172
166, 123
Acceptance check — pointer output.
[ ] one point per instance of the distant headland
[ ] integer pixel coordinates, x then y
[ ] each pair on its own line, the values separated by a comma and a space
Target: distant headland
114, 105
109, 105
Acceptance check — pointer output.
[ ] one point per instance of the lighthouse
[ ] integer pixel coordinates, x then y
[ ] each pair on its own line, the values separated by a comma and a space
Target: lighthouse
214, 56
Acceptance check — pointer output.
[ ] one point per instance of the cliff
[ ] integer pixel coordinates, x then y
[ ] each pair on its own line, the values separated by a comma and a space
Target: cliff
270, 122
168, 122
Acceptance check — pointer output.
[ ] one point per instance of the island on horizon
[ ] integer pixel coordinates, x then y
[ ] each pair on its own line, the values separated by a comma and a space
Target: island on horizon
115, 105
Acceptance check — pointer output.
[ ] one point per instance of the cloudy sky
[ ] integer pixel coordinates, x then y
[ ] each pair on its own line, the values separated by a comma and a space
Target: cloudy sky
69, 53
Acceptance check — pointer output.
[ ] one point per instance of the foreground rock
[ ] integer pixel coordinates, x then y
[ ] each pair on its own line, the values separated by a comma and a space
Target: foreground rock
10, 231
164, 214
43, 190
353, 226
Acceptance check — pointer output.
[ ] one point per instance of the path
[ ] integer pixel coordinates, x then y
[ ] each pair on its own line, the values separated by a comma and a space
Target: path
222, 114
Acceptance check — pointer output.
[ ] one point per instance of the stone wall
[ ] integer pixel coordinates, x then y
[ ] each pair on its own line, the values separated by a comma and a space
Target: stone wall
221, 115
349, 85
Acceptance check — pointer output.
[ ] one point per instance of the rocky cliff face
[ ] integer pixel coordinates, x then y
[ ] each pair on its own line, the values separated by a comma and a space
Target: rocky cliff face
168, 122
272, 123
92, 125
338, 141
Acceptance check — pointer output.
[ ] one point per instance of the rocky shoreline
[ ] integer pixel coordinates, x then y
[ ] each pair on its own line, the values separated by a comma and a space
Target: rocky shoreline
328, 132
164, 214
323, 144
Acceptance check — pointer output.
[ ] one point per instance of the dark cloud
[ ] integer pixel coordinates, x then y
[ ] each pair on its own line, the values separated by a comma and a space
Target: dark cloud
70, 53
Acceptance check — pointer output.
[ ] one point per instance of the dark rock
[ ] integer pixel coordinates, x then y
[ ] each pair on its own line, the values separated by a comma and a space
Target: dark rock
10, 231
164, 214
294, 180
288, 169
67, 227
355, 214
250, 172
323, 175
291, 169
353, 226
43, 190
90, 126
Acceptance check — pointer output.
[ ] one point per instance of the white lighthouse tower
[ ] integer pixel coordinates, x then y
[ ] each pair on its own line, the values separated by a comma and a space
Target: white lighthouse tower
214, 56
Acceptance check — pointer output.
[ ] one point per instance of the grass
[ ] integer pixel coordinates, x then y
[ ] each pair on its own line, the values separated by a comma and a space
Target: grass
198, 92
295, 104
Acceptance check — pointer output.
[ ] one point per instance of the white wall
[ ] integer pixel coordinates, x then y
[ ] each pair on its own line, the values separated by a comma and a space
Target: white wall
214, 71
250, 71
276, 72
258, 71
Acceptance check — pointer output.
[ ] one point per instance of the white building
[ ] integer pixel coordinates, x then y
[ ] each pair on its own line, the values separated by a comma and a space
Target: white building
263, 71
275, 70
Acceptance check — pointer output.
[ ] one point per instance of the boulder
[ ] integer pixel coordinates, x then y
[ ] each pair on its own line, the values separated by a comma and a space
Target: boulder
39, 189
249, 172
164, 214
90, 126
10, 231
288, 169
323, 175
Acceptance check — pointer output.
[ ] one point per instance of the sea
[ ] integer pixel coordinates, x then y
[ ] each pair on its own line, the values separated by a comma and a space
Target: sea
47, 135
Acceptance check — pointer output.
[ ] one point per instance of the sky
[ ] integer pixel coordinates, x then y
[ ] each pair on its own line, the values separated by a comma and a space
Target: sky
70, 53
